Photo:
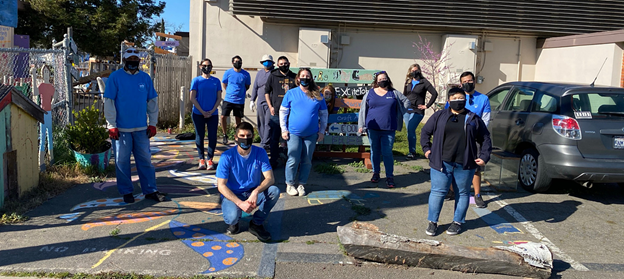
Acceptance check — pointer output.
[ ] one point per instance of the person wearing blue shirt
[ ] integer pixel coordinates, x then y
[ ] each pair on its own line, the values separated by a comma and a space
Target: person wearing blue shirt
381, 115
303, 119
257, 93
206, 97
236, 82
129, 99
480, 105
242, 186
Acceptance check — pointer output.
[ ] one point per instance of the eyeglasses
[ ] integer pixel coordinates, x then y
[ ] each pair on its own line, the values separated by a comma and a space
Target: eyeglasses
132, 51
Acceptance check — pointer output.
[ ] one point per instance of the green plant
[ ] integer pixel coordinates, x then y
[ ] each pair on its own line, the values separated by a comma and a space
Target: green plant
12, 218
88, 134
61, 151
417, 168
363, 170
330, 168
115, 232
357, 164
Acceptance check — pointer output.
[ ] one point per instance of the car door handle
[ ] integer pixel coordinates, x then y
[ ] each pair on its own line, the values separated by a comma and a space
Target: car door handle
519, 122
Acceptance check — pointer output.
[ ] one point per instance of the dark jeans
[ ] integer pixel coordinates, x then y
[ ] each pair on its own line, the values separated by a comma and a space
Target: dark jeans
201, 123
275, 133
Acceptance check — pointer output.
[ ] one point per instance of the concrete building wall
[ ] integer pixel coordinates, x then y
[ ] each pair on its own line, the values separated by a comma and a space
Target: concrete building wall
502, 62
580, 64
25, 140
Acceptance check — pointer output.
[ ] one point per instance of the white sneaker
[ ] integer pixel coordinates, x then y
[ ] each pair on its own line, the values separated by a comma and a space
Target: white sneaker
301, 190
291, 190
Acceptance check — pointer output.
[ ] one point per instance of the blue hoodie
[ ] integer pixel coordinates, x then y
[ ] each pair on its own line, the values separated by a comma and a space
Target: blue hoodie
476, 131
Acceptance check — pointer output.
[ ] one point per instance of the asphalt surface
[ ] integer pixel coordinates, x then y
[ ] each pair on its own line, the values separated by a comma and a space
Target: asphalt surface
88, 230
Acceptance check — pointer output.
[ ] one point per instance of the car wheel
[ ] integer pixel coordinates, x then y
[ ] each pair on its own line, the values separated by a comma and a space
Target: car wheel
531, 174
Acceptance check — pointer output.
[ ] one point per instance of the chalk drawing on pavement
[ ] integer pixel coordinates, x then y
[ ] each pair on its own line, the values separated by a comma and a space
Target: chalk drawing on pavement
208, 179
186, 190
128, 218
496, 222
215, 247
162, 165
206, 207
107, 202
71, 216
323, 197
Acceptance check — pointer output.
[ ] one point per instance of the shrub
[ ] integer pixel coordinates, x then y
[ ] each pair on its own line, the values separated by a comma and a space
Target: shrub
88, 135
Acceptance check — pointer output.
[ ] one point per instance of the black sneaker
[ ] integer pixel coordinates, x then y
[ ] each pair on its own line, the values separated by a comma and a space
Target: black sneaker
431, 228
411, 156
233, 229
129, 198
259, 232
225, 140
375, 178
453, 229
157, 196
479, 201
449, 196
390, 182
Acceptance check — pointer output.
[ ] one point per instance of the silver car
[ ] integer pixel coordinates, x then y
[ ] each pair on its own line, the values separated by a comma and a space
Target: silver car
560, 131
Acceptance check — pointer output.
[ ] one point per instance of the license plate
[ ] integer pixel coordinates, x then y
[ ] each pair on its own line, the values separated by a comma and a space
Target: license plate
618, 142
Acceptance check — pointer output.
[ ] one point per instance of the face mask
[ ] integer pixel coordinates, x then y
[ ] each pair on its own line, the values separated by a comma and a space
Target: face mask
468, 87
304, 82
132, 65
206, 69
284, 68
415, 74
244, 143
457, 105
267, 64
237, 65
383, 83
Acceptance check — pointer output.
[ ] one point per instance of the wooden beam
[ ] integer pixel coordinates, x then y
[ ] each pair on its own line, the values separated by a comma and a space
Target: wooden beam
365, 241
160, 34
92, 77
161, 51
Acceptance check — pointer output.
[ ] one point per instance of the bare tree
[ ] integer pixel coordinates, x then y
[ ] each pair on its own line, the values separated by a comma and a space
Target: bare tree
436, 67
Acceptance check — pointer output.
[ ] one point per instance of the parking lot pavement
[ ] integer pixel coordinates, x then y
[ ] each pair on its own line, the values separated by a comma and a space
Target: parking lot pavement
87, 229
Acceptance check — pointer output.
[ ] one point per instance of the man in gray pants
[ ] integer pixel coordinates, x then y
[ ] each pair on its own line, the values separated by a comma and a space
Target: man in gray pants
264, 116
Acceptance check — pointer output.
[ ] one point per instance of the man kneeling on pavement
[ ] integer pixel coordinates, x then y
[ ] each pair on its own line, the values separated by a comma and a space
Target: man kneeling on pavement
239, 180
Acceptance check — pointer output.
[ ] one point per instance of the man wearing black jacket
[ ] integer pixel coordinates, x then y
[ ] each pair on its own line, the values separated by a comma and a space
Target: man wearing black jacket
279, 82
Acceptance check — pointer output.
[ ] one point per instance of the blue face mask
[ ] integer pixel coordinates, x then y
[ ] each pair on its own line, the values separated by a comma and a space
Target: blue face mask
267, 64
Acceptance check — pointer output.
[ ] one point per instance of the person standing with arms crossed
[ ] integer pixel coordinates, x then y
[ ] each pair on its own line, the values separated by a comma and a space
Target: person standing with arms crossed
279, 82
480, 105
128, 101
206, 97
236, 82
257, 92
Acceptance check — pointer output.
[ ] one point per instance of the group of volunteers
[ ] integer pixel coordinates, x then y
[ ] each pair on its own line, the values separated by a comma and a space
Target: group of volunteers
292, 113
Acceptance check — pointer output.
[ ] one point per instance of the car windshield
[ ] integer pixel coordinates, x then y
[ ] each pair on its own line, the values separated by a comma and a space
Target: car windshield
601, 105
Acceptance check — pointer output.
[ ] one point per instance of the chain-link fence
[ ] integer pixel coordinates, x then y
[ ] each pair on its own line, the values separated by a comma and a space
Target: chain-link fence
49, 66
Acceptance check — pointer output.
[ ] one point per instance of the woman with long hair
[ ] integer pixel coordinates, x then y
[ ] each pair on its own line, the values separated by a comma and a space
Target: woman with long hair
206, 98
381, 115
303, 119
329, 92
415, 89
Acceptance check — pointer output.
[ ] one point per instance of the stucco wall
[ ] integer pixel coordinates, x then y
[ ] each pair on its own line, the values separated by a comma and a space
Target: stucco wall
580, 64
25, 140
501, 64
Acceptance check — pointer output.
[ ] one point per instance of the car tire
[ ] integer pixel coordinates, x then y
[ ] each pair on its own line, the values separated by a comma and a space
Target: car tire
531, 173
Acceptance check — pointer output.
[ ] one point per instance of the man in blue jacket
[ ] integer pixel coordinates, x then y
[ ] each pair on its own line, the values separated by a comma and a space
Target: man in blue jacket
128, 100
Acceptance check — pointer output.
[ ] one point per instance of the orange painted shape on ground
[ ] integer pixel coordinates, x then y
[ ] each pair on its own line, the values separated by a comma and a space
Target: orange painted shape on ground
128, 218
201, 206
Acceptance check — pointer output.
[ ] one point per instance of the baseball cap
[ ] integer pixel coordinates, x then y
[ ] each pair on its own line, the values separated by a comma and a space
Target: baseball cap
131, 52
267, 57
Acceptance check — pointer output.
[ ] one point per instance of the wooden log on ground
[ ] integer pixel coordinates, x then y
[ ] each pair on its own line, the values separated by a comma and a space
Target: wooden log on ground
365, 241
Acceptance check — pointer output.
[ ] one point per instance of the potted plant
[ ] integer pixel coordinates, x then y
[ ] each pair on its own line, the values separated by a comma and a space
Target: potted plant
88, 138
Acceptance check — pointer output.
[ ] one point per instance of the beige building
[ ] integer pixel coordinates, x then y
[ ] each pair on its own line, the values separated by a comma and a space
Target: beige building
499, 41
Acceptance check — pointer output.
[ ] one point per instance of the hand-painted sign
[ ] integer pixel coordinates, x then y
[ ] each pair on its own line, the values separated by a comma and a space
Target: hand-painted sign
342, 118
167, 43
8, 13
351, 91
341, 75
348, 103
345, 140
343, 128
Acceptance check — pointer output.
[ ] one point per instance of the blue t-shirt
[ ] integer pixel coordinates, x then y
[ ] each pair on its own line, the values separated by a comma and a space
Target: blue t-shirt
131, 94
236, 82
243, 174
477, 103
303, 119
381, 111
207, 92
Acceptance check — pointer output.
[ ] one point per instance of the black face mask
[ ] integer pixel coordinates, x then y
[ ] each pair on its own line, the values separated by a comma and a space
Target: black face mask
383, 83
457, 105
304, 82
206, 69
468, 87
244, 143
415, 74
237, 65
284, 68
132, 65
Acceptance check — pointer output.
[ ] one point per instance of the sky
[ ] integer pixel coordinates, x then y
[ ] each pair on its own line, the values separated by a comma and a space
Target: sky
177, 13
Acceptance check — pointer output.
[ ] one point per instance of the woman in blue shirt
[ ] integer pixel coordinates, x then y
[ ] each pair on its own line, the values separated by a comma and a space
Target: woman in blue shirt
206, 97
416, 87
381, 114
303, 119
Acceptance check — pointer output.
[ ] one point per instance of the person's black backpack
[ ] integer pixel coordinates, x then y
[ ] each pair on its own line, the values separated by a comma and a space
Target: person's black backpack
185, 136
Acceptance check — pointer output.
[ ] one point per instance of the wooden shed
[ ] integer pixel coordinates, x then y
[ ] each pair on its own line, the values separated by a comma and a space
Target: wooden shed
19, 123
